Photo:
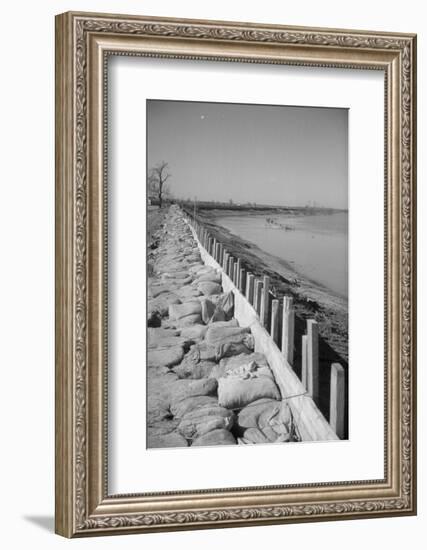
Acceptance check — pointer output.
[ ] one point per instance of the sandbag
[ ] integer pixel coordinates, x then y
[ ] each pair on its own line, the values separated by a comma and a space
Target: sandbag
234, 392
226, 305
177, 311
175, 275
168, 342
216, 334
194, 332
187, 293
211, 276
203, 270
214, 298
162, 428
196, 425
215, 437
198, 268
266, 413
229, 349
158, 333
230, 323
165, 357
181, 389
245, 369
161, 304
180, 282
158, 389
157, 410
209, 352
254, 435
194, 371
195, 257
218, 315
170, 440
156, 290
188, 321
189, 404
240, 366
207, 288
259, 358
201, 352
210, 312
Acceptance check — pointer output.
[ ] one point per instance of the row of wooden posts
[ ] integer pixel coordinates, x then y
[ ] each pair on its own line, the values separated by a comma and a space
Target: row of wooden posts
271, 312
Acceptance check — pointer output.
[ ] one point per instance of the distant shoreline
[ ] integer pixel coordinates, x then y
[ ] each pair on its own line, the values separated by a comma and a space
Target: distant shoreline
237, 209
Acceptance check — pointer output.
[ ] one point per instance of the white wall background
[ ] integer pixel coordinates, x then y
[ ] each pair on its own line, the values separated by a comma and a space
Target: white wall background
27, 272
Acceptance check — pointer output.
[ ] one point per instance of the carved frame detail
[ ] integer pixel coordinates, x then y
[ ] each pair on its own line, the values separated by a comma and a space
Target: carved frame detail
82, 506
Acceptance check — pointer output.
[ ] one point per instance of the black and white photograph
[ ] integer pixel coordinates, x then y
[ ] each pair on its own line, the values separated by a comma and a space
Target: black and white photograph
247, 274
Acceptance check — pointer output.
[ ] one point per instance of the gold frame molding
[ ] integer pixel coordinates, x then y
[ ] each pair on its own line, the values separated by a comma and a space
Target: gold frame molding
83, 43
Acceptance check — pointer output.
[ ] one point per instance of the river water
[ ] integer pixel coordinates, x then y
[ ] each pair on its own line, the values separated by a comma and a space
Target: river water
315, 246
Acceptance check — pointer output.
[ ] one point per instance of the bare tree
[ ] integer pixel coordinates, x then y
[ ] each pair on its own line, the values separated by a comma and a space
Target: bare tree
157, 179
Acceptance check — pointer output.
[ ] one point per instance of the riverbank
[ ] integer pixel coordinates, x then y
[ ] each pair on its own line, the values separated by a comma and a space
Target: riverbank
311, 299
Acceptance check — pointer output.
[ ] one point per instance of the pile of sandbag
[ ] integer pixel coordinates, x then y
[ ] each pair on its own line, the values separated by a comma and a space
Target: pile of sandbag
206, 385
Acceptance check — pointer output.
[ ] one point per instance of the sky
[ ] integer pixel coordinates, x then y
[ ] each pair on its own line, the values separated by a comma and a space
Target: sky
277, 155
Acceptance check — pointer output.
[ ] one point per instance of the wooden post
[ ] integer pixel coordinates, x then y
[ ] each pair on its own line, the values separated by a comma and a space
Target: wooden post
264, 301
304, 361
225, 262
237, 280
213, 252
242, 281
288, 329
231, 268
217, 252
258, 296
275, 321
250, 288
208, 249
313, 359
236, 272
337, 400
220, 253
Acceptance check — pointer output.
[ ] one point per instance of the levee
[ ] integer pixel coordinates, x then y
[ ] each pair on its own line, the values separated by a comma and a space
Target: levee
311, 425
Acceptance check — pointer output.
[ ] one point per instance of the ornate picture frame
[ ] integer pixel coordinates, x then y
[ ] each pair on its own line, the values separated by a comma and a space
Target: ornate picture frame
83, 43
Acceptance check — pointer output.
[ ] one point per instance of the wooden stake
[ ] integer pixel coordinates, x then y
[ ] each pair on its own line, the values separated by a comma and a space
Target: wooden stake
288, 329
237, 281
250, 288
337, 399
231, 268
275, 321
225, 262
242, 281
264, 300
217, 252
220, 253
304, 373
258, 296
313, 359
